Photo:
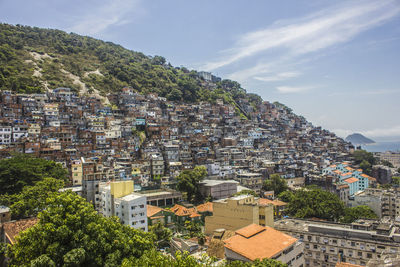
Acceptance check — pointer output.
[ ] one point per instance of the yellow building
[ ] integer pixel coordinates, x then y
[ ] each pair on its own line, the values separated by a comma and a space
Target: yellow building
237, 212
76, 172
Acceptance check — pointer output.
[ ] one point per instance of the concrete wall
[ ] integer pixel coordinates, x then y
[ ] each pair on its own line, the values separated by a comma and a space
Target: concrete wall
231, 216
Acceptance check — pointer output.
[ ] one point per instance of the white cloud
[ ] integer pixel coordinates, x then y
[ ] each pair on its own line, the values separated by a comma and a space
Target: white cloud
372, 133
367, 93
290, 39
292, 89
278, 77
383, 132
109, 13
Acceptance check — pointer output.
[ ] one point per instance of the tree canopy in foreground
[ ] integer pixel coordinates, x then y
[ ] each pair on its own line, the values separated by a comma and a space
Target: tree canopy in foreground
22, 170
71, 233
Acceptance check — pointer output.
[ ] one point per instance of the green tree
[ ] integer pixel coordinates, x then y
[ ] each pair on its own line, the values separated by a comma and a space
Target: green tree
286, 196
189, 180
193, 228
71, 233
33, 198
366, 167
396, 180
359, 212
162, 234
361, 155
22, 170
275, 183
314, 202
387, 163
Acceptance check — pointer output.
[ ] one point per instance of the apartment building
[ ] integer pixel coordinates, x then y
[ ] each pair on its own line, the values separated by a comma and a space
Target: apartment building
385, 203
392, 157
237, 212
325, 243
254, 181
218, 189
118, 199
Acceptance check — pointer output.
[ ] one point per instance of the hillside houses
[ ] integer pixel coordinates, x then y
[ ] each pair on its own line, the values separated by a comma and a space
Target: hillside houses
151, 140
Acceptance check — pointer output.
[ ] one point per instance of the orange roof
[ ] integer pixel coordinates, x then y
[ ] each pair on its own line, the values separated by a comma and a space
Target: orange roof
258, 242
152, 210
337, 171
349, 168
195, 214
343, 186
276, 202
345, 264
360, 170
333, 166
364, 175
180, 210
347, 173
208, 206
13, 228
351, 180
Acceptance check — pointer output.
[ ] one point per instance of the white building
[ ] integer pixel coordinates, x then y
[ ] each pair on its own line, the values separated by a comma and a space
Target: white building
118, 199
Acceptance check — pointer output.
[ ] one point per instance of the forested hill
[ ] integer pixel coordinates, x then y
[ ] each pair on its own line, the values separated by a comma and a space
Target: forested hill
34, 59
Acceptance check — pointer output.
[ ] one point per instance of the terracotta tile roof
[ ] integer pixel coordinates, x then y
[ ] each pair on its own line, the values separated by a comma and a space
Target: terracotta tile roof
349, 168
13, 228
262, 242
276, 202
195, 214
337, 171
333, 166
180, 210
208, 206
152, 210
345, 264
351, 180
346, 174
343, 186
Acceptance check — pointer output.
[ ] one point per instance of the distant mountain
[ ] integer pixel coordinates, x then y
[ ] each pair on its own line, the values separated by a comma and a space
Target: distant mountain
359, 139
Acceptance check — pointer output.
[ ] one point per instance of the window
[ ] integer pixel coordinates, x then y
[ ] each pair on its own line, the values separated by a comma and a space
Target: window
369, 255
359, 254
133, 207
141, 206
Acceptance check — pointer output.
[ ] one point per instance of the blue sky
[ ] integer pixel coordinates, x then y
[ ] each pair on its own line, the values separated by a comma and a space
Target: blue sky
335, 62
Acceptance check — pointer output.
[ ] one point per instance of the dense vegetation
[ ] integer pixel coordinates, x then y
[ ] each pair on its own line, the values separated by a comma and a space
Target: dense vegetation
57, 51
22, 170
275, 183
32, 199
365, 159
71, 233
312, 202
188, 182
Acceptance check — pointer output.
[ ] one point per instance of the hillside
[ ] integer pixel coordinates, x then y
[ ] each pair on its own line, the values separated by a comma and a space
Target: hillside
358, 139
34, 59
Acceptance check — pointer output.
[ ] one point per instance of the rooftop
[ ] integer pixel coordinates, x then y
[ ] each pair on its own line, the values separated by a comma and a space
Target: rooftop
259, 242
217, 182
13, 228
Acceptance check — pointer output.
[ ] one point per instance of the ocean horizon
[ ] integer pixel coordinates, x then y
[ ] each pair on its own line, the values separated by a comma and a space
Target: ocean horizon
382, 146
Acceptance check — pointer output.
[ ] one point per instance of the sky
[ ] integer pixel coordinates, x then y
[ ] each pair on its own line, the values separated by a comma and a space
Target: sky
337, 63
